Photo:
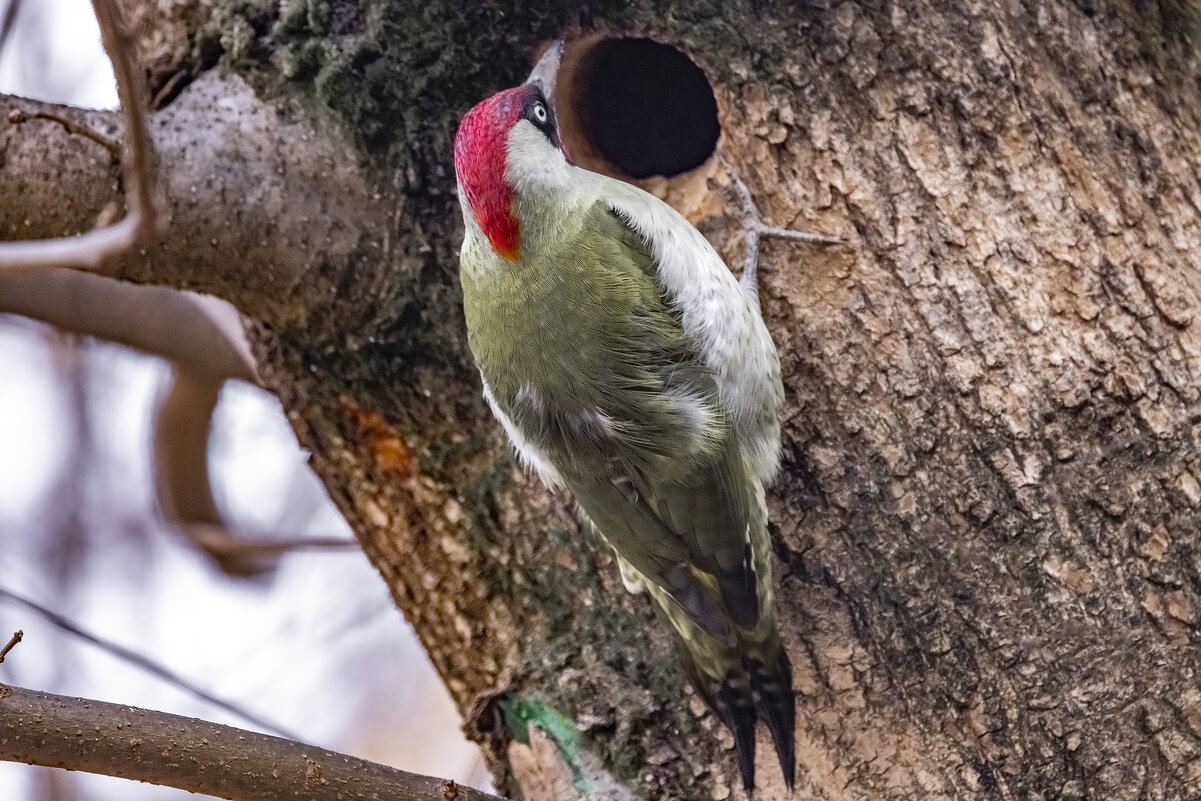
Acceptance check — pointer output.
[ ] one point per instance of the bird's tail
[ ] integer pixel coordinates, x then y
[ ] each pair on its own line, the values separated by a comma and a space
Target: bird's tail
742, 682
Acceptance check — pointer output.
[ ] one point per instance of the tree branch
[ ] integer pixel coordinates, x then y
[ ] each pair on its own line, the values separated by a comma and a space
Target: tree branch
304, 210
140, 224
202, 337
181, 327
181, 476
194, 755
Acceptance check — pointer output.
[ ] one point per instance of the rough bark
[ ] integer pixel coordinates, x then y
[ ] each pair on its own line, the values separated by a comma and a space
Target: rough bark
987, 521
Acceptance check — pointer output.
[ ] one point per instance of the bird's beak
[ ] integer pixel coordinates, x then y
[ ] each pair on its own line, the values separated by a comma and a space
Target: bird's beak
547, 70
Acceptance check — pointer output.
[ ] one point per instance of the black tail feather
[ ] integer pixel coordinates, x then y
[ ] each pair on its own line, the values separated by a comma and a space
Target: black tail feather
757, 683
773, 694
736, 706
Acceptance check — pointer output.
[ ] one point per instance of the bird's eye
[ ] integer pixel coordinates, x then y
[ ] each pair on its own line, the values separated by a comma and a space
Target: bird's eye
539, 112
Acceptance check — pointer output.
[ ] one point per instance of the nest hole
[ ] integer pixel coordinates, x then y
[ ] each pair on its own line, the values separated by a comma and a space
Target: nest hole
639, 108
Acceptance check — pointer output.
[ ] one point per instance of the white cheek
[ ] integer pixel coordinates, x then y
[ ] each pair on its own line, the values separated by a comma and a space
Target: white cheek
532, 162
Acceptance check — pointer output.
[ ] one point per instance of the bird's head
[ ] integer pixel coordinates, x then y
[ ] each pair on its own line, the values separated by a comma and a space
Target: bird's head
503, 144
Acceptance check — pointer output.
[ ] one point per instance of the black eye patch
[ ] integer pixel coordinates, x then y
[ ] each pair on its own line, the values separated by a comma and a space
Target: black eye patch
539, 112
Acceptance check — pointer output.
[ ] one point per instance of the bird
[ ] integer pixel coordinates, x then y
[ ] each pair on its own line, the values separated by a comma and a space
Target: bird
628, 366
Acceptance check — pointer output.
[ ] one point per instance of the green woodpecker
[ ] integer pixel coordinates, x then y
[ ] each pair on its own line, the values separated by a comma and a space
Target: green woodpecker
629, 366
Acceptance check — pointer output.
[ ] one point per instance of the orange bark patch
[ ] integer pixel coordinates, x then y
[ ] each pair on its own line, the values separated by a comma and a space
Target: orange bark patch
388, 451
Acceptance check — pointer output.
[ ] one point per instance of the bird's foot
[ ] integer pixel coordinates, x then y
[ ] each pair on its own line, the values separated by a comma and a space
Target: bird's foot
738, 199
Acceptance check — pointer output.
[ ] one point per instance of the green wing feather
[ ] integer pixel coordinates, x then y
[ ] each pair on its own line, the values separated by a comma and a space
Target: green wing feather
626, 412
585, 357
702, 517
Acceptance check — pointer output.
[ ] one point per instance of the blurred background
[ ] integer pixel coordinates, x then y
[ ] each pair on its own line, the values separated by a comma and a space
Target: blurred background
311, 646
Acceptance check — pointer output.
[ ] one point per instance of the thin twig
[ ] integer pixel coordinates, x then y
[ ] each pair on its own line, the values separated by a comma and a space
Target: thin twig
216, 539
12, 643
173, 751
9, 22
238, 556
18, 116
140, 225
142, 662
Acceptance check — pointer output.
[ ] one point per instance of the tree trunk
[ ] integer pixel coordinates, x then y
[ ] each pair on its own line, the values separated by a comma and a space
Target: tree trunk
986, 524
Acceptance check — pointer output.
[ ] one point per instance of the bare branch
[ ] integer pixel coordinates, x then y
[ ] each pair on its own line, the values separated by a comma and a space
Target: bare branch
202, 336
12, 643
140, 224
181, 476
189, 330
184, 486
194, 755
181, 434
141, 662
225, 155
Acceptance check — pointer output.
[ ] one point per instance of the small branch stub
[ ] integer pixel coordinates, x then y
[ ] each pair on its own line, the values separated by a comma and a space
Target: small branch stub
12, 643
